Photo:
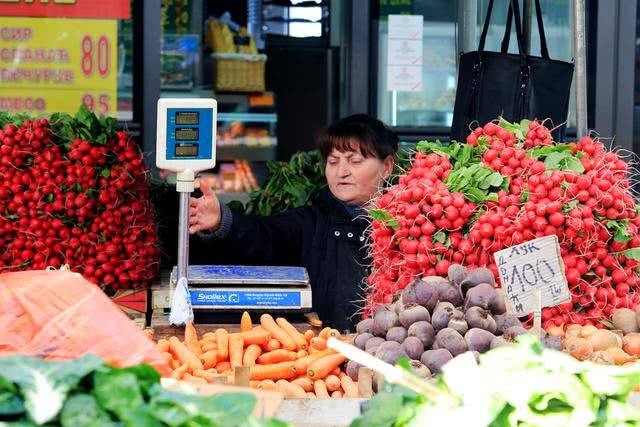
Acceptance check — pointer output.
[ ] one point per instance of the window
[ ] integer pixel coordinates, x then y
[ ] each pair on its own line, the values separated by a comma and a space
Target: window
431, 104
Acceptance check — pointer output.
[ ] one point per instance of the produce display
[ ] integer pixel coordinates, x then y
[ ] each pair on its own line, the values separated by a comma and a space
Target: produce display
75, 191
435, 319
517, 385
619, 346
278, 356
86, 392
510, 183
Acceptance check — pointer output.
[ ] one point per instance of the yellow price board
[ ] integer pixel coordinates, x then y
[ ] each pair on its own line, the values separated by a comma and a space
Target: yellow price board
52, 65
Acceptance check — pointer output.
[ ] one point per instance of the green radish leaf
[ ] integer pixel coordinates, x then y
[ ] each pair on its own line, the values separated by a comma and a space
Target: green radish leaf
440, 236
573, 164
619, 230
403, 362
633, 253
608, 324
384, 216
524, 197
568, 207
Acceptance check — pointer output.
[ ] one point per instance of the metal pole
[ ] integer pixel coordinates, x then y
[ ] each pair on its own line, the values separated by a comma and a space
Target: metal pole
579, 48
183, 235
467, 25
526, 25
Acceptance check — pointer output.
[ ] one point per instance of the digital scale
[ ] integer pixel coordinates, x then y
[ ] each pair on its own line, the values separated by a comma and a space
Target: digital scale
186, 140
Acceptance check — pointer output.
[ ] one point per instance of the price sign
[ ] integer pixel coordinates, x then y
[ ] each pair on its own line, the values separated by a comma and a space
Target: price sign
53, 65
530, 267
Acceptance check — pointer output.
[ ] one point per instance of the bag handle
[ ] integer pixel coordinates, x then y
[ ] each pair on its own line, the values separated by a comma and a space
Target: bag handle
544, 51
513, 8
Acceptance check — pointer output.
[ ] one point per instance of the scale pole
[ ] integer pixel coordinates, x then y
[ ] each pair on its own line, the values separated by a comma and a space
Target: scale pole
581, 67
183, 235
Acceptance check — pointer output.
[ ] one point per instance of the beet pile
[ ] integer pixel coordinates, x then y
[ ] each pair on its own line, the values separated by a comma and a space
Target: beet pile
509, 184
75, 191
435, 319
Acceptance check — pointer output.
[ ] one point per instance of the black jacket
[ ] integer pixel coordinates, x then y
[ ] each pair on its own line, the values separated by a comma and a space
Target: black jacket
324, 238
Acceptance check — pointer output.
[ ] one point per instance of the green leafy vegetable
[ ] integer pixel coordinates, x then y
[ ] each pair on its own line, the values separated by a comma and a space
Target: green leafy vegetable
384, 216
619, 230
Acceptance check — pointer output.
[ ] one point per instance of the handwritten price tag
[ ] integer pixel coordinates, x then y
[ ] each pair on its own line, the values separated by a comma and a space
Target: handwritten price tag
531, 266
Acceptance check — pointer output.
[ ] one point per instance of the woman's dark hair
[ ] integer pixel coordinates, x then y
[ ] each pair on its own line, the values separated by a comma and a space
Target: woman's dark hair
359, 132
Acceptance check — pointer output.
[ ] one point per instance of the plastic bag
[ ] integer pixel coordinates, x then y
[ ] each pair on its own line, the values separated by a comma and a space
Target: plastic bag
59, 315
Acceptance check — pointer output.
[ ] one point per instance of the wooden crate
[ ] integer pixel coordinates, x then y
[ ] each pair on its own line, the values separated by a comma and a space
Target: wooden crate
134, 303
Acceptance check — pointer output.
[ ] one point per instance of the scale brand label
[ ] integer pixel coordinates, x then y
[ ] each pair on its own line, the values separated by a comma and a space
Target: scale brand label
244, 298
531, 266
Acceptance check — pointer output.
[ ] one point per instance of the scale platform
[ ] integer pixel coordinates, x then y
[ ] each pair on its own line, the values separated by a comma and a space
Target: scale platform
235, 288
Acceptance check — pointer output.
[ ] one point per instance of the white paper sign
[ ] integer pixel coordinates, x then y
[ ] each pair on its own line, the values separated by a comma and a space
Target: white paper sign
406, 78
404, 52
405, 27
532, 265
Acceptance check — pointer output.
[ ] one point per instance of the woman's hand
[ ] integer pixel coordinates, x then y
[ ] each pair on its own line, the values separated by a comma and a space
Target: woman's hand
204, 212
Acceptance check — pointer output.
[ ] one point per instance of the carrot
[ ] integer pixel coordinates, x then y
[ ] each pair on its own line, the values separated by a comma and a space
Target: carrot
209, 359
313, 350
273, 344
256, 336
162, 345
210, 336
324, 334
322, 367
183, 354
311, 395
167, 355
191, 378
222, 367
276, 356
267, 322
191, 339
336, 371
268, 385
290, 389
175, 364
236, 346
334, 333
179, 373
333, 382
209, 347
296, 336
207, 375
305, 383
336, 394
301, 354
349, 386
254, 383
245, 322
303, 364
282, 370
318, 343
222, 339
251, 353
308, 334
320, 389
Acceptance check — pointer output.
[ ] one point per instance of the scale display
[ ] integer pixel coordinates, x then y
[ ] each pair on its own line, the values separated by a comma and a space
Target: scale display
187, 134
190, 150
187, 117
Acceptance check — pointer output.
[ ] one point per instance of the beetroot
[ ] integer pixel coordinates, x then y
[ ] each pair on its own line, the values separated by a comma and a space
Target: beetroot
390, 352
383, 320
413, 347
451, 340
477, 317
552, 342
456, 273
360, 340
422, 292
441, 316
478, 339
364, 326
397, 333
498, 342
512, 332
476, 277
413, 313
435, 359
419, 369
505, 321
458, 323
372, 344
450, 293
424, 332
482, 296
353, 369
498, 305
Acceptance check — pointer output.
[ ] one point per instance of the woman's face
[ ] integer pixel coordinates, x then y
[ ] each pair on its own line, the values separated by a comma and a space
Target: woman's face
353, 178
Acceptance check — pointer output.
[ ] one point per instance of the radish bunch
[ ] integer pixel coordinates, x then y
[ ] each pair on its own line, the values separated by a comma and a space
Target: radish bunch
509, 184
74, 191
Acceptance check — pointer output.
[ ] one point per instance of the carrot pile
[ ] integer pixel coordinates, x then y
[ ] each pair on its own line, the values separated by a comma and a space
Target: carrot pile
278, 356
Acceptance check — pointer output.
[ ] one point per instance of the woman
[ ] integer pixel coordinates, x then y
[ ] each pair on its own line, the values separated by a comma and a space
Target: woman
326, 238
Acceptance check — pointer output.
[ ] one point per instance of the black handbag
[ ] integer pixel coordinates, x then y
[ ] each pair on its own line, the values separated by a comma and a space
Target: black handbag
513, 86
